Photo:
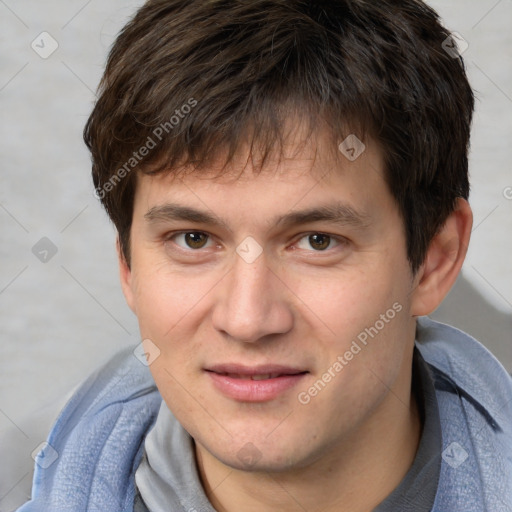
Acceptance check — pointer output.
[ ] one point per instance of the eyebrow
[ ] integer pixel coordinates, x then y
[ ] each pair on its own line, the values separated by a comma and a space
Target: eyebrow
337, 213
169, 212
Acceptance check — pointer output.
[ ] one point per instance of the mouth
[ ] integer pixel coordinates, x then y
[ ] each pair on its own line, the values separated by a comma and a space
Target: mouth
254, 384
262, 376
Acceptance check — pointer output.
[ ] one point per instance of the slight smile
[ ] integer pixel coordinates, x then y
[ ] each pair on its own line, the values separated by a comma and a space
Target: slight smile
254, 384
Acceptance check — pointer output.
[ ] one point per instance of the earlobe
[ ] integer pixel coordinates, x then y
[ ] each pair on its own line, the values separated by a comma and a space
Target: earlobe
443, 262
125, 275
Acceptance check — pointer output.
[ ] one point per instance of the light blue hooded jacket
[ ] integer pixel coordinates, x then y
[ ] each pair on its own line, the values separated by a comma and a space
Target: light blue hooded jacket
99, 435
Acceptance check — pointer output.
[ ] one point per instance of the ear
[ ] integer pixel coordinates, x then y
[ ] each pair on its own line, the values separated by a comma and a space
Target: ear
443, 262
125, 275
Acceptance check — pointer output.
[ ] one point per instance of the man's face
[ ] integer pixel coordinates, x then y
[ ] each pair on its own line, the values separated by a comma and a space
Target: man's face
297, 276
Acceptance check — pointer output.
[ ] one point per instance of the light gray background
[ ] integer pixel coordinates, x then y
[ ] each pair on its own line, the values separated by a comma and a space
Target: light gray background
61, 319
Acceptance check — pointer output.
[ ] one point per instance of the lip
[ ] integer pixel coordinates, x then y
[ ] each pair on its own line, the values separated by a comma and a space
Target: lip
235, 381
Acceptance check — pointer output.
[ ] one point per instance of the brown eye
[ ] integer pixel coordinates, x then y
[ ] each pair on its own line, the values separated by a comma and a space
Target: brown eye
196, 240
319, 242
191, 240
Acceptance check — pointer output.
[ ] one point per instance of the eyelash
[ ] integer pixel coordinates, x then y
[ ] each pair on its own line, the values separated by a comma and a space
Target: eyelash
338, 241
171, 238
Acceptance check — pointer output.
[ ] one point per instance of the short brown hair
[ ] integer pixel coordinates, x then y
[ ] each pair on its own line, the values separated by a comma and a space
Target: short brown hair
206, 75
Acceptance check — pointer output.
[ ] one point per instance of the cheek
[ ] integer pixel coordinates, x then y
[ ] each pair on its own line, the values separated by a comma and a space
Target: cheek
173, 311
359, 320
166, 299
349, 301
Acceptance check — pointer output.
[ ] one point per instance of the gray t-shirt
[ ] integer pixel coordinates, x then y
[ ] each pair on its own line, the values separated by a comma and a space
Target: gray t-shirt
167, 477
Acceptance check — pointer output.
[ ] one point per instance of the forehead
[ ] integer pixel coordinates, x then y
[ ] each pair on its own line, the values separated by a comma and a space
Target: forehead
304, 165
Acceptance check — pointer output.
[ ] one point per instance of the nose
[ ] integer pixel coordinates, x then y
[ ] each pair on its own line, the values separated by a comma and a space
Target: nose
252, 302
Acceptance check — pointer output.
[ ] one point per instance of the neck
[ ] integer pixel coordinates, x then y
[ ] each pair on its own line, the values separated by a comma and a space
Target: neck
356, 475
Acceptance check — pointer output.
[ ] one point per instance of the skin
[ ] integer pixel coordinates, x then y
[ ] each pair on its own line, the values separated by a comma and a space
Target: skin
352, 443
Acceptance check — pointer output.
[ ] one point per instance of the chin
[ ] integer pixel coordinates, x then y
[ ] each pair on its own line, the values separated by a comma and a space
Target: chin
262, 456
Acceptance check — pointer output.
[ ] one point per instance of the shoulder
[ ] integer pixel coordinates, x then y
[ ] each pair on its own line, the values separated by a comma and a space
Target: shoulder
97, 440
120, 390
118, 381
467, 363
474, 395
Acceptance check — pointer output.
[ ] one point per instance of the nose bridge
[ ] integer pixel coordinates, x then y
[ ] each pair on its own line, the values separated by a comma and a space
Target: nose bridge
252, 305
250, 290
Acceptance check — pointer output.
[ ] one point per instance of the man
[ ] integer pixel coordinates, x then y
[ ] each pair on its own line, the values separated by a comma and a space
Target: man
289, 184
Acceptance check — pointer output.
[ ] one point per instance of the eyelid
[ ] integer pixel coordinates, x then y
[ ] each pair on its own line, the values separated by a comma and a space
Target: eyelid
340, 240
169, 237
